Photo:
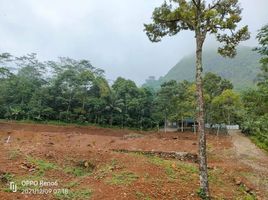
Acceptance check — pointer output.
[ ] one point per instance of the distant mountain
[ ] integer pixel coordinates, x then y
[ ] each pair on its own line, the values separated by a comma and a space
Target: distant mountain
241, 70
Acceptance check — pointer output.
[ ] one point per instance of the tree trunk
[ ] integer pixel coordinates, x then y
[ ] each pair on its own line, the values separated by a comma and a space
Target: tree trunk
83, 105
165, 123
229, 117
182, 124
69, 103
200, 118
111, 119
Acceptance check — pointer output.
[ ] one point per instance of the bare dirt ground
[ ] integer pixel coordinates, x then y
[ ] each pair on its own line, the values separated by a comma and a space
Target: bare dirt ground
249, 154
81, 160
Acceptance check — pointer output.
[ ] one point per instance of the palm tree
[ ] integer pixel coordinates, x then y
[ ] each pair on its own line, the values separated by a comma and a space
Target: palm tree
114, 106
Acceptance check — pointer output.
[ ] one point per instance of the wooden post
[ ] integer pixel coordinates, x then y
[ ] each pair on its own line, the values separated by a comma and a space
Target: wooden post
8, 139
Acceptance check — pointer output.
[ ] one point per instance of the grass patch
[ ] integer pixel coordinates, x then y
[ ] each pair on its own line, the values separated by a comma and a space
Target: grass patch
173, 169
156, 160
78, 171
106, 169
245, 195
75, 195
42, 165
71, 123
201, 193
72, 184
14, 154
187, 167
167, 164
82, 168
6, 177
142, 196
259, 143
214, 177
123, 178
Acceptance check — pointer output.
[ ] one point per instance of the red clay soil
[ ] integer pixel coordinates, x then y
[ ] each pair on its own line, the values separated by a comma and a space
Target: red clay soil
154, 179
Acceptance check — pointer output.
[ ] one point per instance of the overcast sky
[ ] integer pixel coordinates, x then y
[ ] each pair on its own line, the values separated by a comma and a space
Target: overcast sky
108, 33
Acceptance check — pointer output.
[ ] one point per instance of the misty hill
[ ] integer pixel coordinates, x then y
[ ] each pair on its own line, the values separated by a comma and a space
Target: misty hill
241, 70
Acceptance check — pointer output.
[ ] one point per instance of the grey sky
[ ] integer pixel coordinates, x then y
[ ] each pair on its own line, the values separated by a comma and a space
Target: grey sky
108, 33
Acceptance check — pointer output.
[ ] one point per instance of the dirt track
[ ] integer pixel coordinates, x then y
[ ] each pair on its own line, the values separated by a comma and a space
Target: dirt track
65, 147
249, 154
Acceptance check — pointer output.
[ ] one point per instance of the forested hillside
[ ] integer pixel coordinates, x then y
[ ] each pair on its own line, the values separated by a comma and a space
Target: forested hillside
71, 90
240, 70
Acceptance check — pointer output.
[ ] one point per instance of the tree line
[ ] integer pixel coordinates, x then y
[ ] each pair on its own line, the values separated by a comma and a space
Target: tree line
74, 91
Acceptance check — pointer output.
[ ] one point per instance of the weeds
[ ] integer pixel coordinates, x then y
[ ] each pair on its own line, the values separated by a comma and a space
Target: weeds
78, 171
76, 195
106, 169
215, 177
123, 178
246, 195
174, 168
6, 177
72, 184
142, 196
82, 168
201, 193
42, 165
13, 154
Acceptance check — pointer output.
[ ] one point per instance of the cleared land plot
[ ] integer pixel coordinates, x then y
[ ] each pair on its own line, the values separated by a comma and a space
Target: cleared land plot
83, 160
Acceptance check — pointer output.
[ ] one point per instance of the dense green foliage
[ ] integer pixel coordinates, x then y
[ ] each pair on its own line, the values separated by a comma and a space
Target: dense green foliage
241, 70
255, 101
73, 91
70, 91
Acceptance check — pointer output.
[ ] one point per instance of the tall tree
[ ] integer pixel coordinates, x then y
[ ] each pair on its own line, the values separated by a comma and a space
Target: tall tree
166, 99
202, 18
262, 37
213, 85
226, 107
255, 101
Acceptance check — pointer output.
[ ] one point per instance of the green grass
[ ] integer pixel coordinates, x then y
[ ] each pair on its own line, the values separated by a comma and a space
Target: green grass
261, 144
106, 169
187, 167
78, 171
82, 168
244, 195
14, 154
166, 164
200, 192
175, 168
6, 177
215, 177
74, 195
122, 178
72, 184
42, 165
62, 123
142, 196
